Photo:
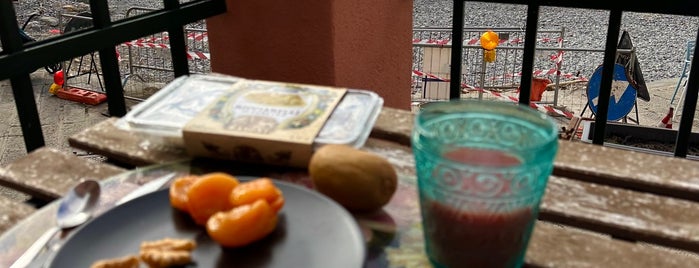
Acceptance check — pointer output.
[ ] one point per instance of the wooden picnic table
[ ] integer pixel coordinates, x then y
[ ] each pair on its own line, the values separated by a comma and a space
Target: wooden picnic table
603, 207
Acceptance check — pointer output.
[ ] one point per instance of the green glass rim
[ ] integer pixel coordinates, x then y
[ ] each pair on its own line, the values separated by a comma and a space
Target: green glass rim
521, 111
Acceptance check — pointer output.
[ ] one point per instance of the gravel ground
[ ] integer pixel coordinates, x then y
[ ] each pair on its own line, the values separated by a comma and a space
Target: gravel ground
660, 50
660, 39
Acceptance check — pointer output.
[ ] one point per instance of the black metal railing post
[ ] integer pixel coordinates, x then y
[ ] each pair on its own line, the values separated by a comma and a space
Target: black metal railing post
688, 108
457, 50
17, 60
116, 103
529, 51
178, 48
607, 75
22, 90
670, 7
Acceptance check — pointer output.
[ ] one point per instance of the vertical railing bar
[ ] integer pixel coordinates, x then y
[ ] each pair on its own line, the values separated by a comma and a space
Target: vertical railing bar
116, 104
22, 90
178, 48
457, 48
529, 51
689, 107
607, 73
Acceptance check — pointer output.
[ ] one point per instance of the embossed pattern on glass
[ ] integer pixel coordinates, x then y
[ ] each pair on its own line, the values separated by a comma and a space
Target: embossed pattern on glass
482, 169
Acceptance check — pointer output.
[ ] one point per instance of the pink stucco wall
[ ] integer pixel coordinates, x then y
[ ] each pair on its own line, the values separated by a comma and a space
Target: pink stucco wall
363, 44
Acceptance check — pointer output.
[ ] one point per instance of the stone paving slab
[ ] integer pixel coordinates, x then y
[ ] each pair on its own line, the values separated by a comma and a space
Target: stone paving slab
59, 119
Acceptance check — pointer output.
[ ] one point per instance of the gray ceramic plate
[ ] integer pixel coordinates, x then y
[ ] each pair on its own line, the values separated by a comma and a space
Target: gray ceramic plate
313, 231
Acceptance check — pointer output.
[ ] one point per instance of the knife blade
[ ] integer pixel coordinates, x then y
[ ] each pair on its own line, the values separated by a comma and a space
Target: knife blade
147, 188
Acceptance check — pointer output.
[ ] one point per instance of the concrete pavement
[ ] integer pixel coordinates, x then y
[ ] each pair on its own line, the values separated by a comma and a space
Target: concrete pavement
59, 119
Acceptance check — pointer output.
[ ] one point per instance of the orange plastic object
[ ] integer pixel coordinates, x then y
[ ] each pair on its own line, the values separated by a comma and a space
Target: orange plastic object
489, 40
538, 88
82, 96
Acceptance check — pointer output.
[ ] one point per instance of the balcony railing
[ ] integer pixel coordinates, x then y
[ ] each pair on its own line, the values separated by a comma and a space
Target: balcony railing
671, 7
18, 60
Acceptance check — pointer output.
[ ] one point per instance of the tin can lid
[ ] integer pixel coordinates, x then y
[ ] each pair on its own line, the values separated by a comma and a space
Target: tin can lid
352, 120
167, 111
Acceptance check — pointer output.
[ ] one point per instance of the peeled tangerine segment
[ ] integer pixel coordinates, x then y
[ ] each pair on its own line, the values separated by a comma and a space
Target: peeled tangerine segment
251, 191
178, 192
242, 225
209, 194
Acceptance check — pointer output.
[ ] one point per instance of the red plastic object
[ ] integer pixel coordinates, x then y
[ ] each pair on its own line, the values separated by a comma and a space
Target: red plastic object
58, 78
667, 120
538, 88
82, 96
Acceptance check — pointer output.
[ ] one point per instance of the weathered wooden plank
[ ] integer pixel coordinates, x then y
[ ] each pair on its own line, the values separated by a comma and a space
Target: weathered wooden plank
555, 245
47, 173
12, 211
639, 171
663, 175
569, 201
127, 147
619, 212
622, 213
610, 211
394, 125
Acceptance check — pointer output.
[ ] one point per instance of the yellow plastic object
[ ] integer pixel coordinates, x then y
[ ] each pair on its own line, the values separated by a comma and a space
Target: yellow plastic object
489, 40
489, 55
54, 87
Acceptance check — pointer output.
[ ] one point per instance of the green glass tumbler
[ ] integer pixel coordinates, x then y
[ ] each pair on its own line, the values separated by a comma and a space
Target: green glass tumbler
482, 169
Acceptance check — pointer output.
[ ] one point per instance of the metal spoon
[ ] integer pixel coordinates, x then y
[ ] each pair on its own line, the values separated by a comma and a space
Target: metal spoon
75, 208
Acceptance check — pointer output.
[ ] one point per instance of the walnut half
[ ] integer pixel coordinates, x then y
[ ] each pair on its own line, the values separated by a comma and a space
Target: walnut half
167, 252
159, 258
169, 244
130, 261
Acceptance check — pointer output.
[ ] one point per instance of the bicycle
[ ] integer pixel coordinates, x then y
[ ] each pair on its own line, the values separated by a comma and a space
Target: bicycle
26, 38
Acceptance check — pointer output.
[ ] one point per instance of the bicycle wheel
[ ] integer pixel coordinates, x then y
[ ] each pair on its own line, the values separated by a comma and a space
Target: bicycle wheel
53, 68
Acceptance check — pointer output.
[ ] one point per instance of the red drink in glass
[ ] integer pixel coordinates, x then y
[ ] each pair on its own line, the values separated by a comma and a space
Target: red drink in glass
477, 229
471, 239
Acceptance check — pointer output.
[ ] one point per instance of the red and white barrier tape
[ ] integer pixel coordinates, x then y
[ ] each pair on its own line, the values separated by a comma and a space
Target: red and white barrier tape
551, 71
146, 44
198, 55
474, 41
190, 36
190, 54
540, 107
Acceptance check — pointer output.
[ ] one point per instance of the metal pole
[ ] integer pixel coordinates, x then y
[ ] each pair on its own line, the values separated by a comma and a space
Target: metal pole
178, 50
480, 93
607, 75
116, 104
688, 108
457, 50
21, 83
525, 87
559, 67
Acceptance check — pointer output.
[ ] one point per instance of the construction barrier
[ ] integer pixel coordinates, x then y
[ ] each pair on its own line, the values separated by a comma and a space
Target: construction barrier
509, 98
552, 61
149, 60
